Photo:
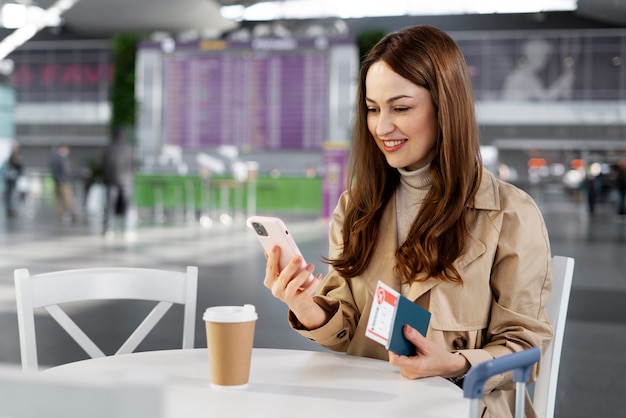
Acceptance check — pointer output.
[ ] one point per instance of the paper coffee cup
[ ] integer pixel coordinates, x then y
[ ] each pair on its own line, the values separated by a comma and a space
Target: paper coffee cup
230, 336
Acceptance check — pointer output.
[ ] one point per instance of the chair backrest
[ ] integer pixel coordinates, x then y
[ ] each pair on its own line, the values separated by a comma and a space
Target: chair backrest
36, 395
544, 395
50, 290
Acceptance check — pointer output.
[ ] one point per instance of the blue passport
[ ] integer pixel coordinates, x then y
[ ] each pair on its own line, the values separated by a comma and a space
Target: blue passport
389, 314
411, 313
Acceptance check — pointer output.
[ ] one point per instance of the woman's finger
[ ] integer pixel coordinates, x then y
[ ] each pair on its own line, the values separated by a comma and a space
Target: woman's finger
272, 271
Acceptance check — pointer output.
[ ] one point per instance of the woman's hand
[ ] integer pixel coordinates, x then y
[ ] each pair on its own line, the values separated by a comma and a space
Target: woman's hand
290, 286
430, 360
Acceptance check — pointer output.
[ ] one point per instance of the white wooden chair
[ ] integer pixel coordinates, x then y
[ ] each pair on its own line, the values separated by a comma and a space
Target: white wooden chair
544, 392
36, 395
50, 290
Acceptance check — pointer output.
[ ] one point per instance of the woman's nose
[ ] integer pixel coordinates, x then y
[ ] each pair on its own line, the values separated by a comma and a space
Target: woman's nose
384, 125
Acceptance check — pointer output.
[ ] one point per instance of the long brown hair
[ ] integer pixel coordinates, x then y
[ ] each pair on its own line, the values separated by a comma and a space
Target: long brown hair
429, 58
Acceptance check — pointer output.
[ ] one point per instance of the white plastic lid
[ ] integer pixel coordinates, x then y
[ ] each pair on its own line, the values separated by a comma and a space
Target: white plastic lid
243, 313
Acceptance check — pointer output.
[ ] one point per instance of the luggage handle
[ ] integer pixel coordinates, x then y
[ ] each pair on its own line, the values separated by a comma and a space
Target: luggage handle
520, 362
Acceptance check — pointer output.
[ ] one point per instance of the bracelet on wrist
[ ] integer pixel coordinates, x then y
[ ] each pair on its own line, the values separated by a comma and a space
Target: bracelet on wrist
459, 379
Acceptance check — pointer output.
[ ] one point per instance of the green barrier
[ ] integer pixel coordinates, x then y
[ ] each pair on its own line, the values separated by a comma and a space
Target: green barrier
172, 192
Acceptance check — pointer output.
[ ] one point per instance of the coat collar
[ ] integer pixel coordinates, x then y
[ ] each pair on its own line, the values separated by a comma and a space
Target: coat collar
487, 197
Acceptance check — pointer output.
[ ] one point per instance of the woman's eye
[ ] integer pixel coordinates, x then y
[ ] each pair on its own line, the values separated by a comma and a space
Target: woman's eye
401, 109
372, 110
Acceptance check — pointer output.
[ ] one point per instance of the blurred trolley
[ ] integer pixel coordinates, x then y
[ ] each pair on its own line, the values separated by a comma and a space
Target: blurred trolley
520, 363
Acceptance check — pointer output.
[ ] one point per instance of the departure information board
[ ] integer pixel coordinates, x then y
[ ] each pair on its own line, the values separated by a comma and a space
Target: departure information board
268, 95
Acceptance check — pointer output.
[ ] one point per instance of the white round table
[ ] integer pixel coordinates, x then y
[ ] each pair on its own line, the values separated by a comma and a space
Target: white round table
285, 383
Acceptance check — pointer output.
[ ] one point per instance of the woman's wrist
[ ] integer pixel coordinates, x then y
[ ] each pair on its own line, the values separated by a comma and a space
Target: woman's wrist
311, 316
461, 367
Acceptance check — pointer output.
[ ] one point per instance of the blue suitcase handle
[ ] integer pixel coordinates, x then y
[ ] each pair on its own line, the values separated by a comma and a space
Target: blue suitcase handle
520, 362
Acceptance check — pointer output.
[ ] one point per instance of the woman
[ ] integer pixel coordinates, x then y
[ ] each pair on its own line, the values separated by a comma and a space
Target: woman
423, 216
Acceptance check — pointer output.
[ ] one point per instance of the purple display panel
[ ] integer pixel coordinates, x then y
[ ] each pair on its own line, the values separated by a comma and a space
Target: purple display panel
266, 125
335, 171
253, 99
315, 116
292, 102
206, 114
177, 115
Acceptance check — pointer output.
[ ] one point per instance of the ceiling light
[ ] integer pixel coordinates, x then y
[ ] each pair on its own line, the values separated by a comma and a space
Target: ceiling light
346, 9
13, 15
35, 20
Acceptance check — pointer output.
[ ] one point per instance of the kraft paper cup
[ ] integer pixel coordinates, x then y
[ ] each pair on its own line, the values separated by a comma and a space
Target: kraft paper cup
230, 336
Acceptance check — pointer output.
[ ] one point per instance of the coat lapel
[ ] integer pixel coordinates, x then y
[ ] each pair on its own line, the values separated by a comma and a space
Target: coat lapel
418, 288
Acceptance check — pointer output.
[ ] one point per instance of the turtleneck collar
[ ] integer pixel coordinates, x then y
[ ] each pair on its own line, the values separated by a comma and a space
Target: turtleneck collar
413, 188
417, 179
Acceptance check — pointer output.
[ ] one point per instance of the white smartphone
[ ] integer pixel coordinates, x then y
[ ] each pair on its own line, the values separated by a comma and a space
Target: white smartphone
272, 231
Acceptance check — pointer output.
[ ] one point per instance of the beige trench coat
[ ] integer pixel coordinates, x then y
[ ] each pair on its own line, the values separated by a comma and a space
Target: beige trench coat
499, 308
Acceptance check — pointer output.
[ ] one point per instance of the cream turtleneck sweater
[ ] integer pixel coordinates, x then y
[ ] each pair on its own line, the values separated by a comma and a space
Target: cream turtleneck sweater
413, 188
414, 185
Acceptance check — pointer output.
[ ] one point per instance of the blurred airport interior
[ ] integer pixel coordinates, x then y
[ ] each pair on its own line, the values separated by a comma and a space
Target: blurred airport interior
233, 117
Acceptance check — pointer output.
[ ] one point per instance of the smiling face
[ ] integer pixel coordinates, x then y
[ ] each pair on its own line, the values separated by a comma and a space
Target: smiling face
401, 117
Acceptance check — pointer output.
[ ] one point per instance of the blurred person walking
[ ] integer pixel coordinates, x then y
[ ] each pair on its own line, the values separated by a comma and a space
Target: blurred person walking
593, 186
61, 170
12, 169
118, 177
620, 186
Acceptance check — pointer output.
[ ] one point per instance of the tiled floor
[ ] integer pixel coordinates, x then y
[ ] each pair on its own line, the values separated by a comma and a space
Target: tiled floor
230, 262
